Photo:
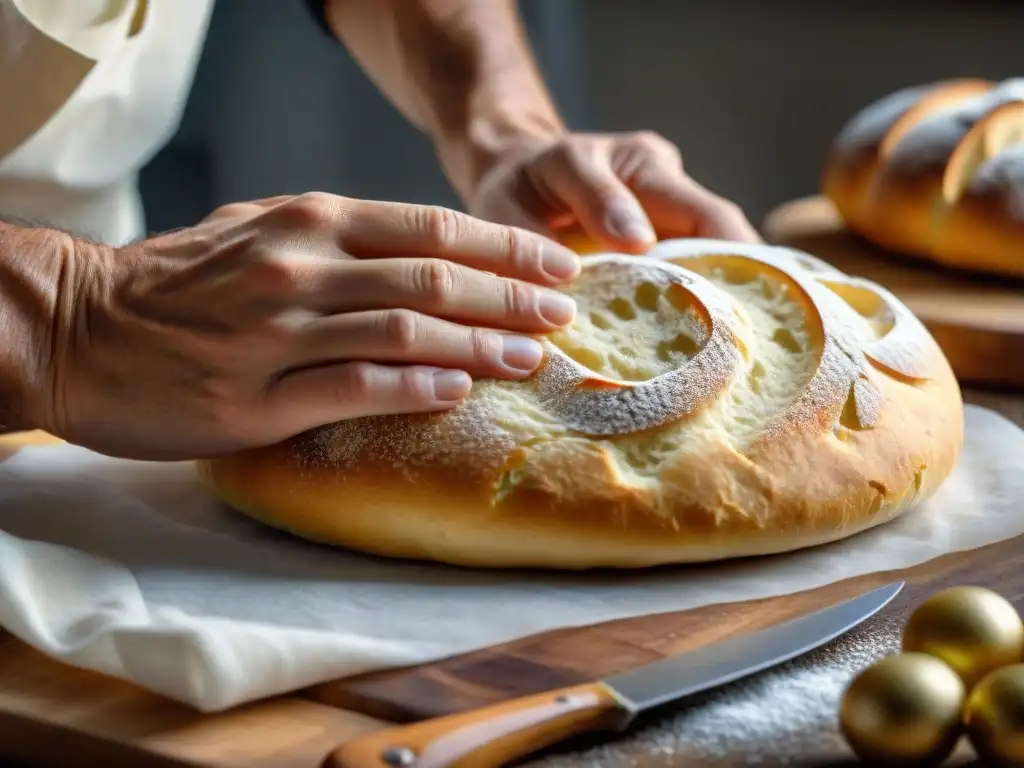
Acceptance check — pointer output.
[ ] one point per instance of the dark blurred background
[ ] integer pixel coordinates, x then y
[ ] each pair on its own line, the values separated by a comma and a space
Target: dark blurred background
752, 91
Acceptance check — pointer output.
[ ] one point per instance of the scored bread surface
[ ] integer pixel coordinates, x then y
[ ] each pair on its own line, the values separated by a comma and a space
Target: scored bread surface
711, 400
937, 171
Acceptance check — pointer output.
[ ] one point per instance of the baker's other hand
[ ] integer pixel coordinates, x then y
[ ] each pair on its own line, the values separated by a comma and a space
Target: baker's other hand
622, 191
276, 316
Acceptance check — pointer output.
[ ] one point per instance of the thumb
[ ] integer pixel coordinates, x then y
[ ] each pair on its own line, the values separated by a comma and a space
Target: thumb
604, 206
684, 208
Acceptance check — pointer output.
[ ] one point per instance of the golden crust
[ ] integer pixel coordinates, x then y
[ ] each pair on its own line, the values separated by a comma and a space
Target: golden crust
814, 406
937, 172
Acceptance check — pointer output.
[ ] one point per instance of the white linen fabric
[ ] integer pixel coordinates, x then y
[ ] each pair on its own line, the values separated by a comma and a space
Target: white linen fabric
132, 569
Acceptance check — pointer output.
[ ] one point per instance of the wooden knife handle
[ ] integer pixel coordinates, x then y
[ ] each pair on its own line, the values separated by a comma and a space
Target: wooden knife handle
490, 736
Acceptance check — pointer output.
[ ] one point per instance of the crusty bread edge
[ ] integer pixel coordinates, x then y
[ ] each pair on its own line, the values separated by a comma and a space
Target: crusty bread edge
370, 512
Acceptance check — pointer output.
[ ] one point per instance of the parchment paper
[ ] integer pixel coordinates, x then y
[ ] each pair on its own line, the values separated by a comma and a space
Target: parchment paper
131, 569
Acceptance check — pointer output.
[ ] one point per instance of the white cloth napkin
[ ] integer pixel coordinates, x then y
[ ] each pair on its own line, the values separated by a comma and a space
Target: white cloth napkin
130, 568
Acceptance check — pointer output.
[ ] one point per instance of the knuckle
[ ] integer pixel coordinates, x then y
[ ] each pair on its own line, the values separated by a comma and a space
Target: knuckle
484, 345
232, 211
402, 329
577, 154
272, 276
358, 382
656, 144
519, 299
415, 385
320, 201
436, 281
563, 154
311, 210
648, 139
521, 249
440, 226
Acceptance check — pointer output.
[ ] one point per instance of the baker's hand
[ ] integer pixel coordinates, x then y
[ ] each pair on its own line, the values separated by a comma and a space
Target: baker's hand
277, 316
620, 191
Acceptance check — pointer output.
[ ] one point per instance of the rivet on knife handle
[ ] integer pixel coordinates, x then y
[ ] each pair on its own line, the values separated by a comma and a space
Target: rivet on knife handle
491, 736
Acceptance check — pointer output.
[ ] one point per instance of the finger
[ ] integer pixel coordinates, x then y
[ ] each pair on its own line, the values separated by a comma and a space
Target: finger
410, 338
441, 289
581, 176
680, 207
317, 396
393, 229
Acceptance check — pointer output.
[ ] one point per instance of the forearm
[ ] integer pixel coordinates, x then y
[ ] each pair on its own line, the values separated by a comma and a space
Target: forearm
33, 268
460, 70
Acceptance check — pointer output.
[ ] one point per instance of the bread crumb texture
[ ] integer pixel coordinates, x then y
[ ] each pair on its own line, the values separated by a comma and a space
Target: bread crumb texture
711, 400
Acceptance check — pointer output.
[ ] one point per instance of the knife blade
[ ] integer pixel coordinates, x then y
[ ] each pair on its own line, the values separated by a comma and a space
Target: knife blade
496, 735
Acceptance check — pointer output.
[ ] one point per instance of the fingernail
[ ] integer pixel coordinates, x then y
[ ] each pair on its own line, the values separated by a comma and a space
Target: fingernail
452, 385
560, 262
626, 222
521, 353
557, 308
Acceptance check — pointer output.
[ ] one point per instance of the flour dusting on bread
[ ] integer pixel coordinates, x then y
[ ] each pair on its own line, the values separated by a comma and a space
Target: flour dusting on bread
711, 400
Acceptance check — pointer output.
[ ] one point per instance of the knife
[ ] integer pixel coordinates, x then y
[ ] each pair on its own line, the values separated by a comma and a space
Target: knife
496, 735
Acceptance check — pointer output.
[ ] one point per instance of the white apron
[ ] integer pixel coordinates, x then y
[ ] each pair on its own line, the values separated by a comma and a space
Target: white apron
90, 90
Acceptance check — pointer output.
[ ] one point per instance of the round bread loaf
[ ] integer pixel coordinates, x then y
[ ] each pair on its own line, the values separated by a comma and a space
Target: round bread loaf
711, 400
937, 171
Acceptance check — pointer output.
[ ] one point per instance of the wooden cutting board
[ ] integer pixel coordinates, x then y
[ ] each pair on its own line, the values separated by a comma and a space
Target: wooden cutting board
55, 715
977, 320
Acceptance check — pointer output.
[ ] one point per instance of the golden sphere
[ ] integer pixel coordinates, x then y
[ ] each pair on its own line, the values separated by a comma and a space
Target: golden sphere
994, 716
972, 629
903, 710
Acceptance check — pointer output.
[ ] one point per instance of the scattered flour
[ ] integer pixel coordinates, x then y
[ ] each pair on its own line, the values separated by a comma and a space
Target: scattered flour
786, 716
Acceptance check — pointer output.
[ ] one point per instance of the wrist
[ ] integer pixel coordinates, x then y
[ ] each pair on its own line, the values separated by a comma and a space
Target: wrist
37, 270
470, 152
